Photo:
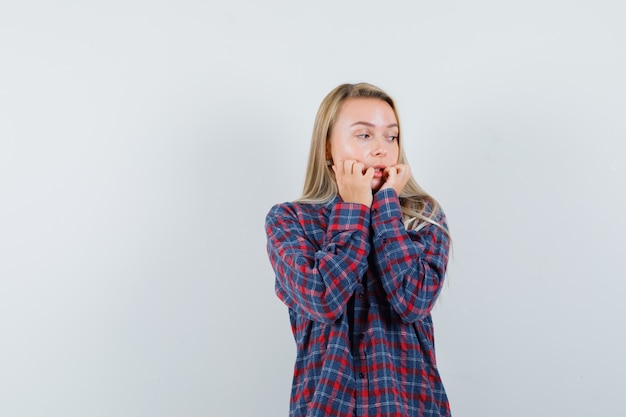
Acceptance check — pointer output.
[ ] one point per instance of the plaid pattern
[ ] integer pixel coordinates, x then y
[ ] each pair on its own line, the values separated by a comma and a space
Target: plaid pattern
360, 288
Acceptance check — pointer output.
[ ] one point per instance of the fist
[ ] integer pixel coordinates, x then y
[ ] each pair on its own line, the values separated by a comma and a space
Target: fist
396, 177
354, 182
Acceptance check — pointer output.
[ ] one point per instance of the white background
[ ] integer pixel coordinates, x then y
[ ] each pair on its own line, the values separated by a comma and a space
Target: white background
142, 144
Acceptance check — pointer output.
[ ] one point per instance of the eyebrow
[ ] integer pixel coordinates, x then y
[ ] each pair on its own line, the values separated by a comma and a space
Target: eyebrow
371, 124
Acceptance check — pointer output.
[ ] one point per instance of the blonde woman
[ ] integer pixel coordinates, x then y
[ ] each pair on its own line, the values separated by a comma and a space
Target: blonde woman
360, 260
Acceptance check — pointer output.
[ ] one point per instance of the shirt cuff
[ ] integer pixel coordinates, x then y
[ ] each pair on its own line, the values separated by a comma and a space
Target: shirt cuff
386, 205
349, 216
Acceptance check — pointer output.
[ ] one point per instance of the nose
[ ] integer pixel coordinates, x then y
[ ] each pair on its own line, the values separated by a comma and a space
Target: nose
379, 149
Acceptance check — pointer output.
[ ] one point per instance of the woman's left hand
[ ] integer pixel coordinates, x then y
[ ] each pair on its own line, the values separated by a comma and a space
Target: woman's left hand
396, 177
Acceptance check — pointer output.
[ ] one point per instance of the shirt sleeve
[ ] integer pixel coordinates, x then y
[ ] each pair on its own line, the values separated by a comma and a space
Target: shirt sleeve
317, 282
411, 264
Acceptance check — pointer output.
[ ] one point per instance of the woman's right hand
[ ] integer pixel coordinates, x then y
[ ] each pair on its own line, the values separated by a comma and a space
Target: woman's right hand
355, 186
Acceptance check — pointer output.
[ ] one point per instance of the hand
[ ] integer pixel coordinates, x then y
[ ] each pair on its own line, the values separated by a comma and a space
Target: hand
355, 186
396, 177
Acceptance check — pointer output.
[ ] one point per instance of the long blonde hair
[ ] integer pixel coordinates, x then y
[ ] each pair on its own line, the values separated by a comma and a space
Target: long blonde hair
418, 207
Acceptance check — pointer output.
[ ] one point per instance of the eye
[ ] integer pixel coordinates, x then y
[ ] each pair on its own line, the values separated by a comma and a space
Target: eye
392, 138
363, 136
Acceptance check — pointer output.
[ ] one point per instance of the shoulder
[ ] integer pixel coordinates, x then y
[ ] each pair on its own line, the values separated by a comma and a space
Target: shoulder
280, 210
295, 211
437, 222
296, 220
428, 217
434, 211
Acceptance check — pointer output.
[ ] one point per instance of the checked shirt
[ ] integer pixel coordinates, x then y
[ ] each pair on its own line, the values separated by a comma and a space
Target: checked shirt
360, 289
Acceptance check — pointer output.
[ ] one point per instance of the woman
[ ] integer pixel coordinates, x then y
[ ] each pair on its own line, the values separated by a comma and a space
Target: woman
360, 259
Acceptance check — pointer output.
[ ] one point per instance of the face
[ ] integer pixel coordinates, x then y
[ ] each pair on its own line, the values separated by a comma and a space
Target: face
366, 130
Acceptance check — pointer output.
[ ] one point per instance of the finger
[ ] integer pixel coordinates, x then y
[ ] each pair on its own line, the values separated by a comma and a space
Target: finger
402, 169
347, 166
390, 172
369, 173
341, 167
358, 168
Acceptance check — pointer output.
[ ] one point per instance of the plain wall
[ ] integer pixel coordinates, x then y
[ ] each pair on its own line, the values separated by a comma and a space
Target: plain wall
142, 144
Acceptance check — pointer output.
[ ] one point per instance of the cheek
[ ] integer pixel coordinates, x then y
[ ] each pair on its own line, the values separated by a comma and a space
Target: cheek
341, 151
395, 153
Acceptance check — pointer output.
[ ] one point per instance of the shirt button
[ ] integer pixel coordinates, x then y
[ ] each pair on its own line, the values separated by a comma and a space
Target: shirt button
362, 336
360, 295
361, 375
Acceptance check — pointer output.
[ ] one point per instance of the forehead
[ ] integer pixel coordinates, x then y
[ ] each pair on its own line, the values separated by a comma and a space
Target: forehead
366, 109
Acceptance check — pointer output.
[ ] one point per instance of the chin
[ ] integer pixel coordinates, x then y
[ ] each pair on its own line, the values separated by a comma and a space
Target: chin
376, 185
